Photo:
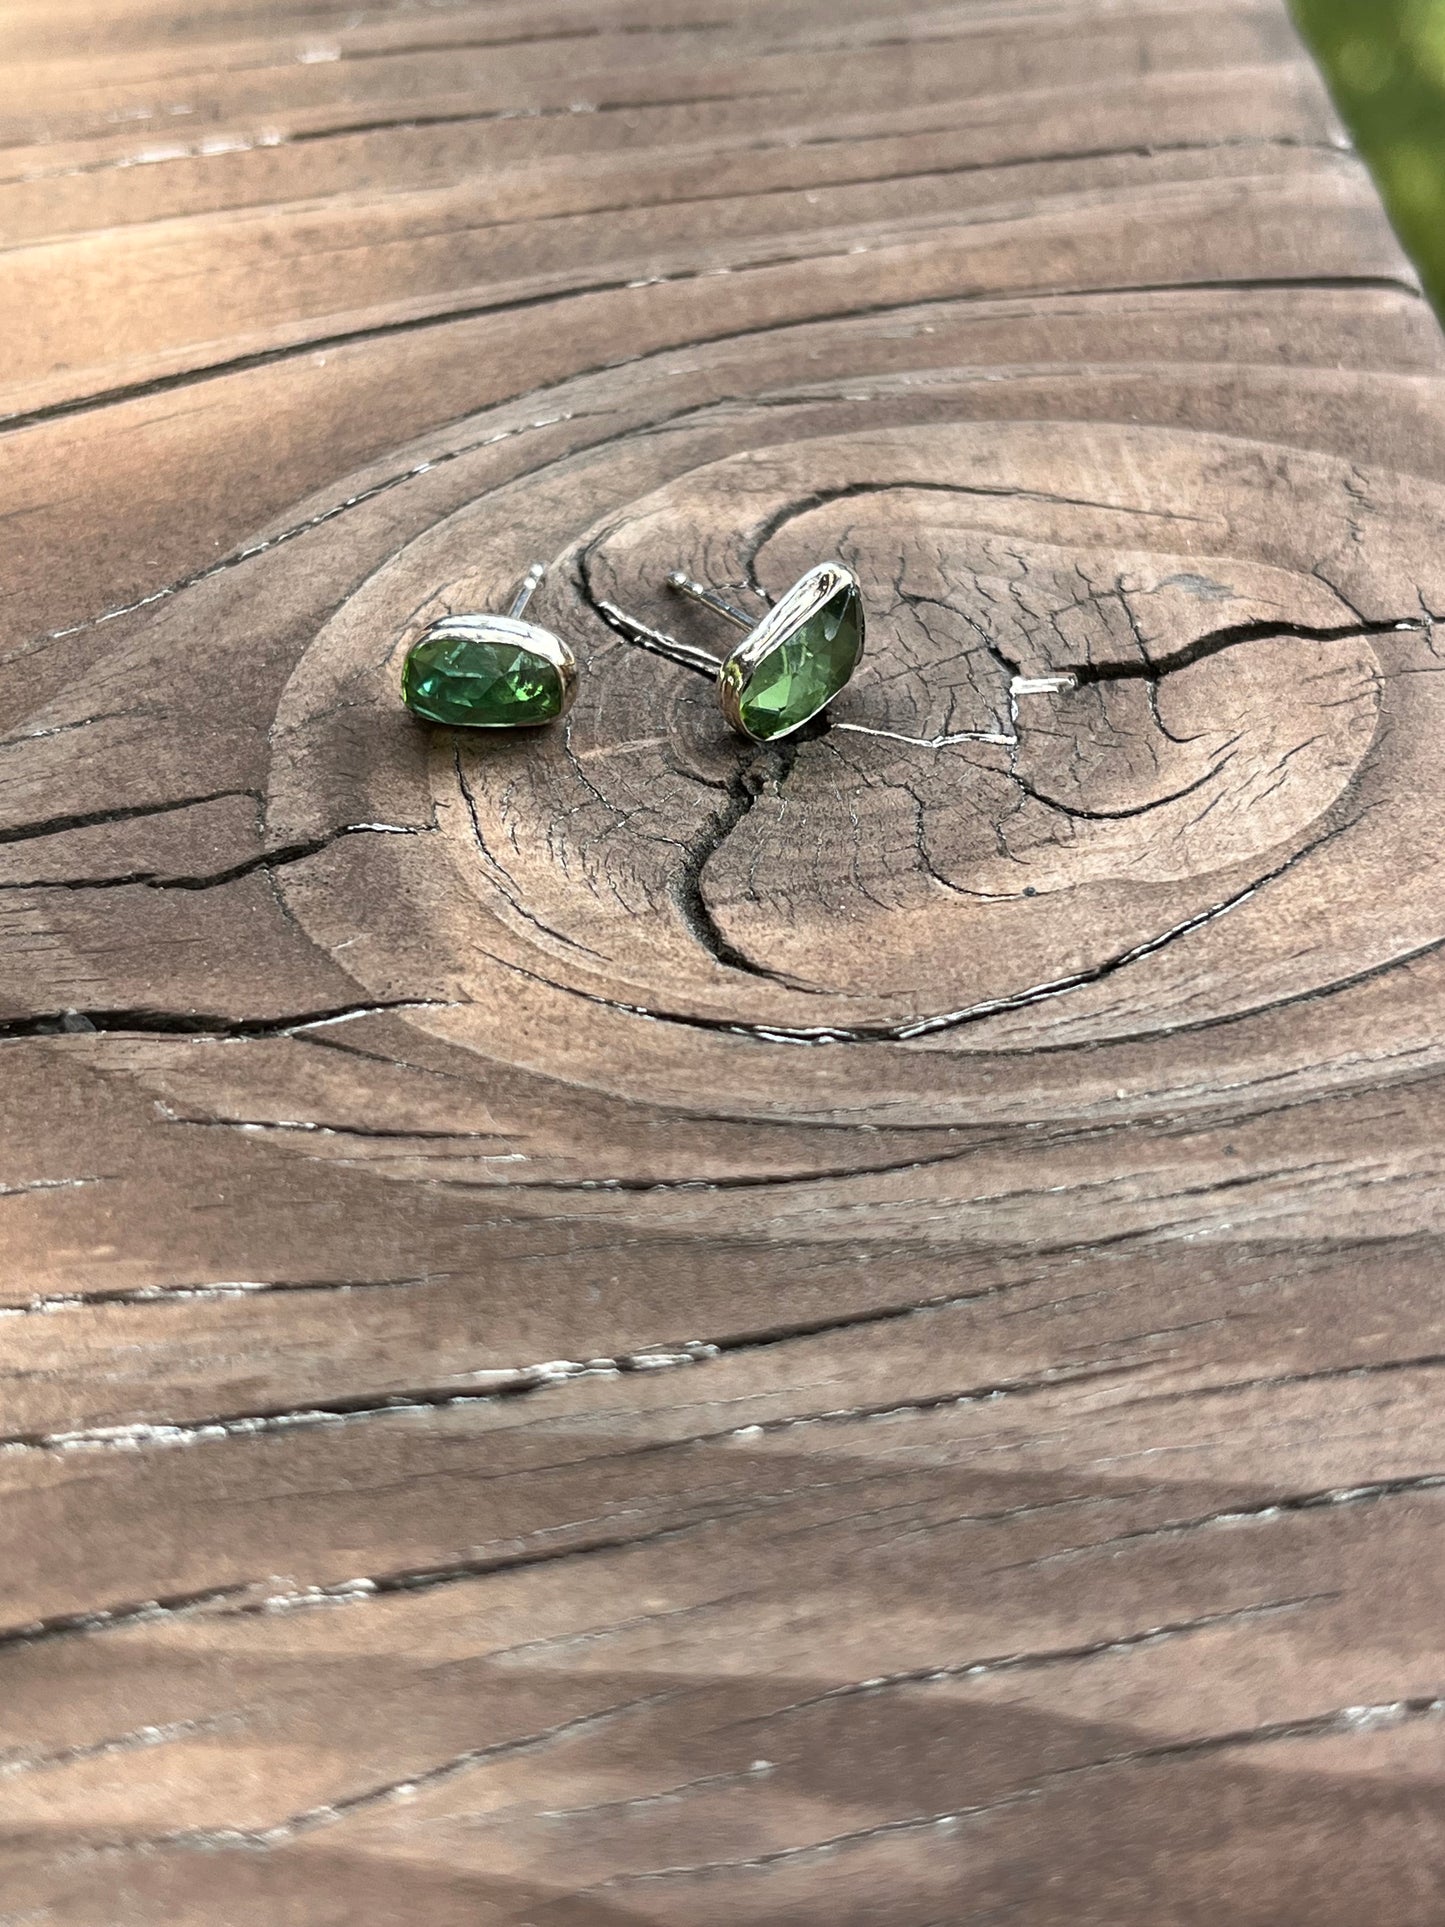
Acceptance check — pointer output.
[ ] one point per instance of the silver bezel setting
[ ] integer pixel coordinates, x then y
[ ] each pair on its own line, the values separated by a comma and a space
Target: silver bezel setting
537, 642
809, 594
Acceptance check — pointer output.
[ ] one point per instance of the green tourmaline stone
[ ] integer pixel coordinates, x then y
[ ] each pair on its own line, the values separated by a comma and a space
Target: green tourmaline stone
805, 671
480, 683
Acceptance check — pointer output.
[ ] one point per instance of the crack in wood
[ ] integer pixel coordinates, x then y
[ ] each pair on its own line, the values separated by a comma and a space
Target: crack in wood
917, 1029
1340, 1722
143, 1435
179, 1295
275, 858
120, 813
141, 1739
249, 551
187, 1023
1248, 1512
477, 310
424, 1780
1111, 1646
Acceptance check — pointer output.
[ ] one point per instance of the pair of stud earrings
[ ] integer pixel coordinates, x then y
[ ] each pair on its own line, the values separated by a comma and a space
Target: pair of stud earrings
499, 672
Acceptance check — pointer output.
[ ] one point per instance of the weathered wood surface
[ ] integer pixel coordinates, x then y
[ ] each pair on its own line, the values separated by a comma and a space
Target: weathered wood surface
499, 1426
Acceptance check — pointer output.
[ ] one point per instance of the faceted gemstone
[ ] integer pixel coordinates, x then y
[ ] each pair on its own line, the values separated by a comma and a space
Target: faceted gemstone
806, 670
479, 681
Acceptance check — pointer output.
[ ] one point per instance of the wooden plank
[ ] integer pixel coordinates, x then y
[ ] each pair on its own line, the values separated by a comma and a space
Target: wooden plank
625, 1328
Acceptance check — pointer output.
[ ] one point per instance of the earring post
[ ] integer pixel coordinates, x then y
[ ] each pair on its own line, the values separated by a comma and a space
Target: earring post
531, 581
710, 599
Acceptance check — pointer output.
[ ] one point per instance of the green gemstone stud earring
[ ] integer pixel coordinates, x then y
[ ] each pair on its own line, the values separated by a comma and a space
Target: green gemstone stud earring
490, 672
789, 666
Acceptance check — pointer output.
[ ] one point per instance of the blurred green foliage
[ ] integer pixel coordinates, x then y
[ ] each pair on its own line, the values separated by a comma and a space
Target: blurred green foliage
1385, 61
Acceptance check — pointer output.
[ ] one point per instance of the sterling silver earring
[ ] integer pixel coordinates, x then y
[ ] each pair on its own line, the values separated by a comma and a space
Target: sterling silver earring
490, 672
789, 666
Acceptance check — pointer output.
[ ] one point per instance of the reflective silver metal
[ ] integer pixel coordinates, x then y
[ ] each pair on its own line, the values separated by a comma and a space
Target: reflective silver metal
709, 598
531, 582
807, 596
802, 602
510, 628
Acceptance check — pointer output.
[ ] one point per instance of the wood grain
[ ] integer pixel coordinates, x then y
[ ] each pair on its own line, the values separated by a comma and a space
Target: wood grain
622, 1327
